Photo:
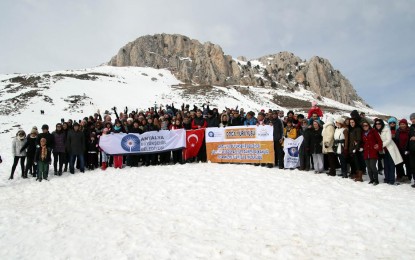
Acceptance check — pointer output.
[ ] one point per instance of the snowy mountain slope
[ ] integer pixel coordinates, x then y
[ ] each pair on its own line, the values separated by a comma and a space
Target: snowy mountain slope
77, 93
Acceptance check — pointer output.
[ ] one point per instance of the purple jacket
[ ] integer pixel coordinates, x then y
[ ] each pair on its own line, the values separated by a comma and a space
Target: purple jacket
60, 142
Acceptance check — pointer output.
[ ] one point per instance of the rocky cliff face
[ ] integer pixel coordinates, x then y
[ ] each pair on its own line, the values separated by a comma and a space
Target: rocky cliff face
205, 64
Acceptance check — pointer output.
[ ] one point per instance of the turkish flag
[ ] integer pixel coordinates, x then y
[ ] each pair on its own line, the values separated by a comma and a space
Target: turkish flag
194, 140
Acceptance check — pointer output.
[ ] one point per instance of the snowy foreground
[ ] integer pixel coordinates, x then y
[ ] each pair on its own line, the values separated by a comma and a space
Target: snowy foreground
204, 211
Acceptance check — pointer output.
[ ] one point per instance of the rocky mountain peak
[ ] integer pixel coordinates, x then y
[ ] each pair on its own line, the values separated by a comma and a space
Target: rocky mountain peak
206, 64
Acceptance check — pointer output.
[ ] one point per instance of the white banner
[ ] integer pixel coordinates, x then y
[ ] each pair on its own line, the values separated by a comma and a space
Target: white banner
149, 142
292, 152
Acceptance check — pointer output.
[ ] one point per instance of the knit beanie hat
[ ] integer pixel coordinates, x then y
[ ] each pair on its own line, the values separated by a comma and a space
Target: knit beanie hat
412, 116
392, 120
403, 121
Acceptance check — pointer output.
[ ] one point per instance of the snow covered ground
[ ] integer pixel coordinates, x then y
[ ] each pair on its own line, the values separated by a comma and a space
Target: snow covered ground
204, 211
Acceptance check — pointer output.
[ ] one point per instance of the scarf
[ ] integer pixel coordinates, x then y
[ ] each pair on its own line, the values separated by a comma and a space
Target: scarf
44, 152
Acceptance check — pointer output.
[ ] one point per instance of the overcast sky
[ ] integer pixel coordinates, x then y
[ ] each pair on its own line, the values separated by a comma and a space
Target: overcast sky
370, 42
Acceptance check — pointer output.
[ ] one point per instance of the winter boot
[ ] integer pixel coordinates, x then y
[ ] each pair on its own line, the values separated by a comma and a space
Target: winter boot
359, 175
104, 166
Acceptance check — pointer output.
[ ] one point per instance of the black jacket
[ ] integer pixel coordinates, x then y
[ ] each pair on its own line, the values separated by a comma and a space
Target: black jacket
278, 129
76, 142
315, 141
50, 140
31, 146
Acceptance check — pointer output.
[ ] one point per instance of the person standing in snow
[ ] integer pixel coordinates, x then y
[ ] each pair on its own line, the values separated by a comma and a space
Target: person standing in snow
30, 147
75, 144
59, 155
372, 144
43, 159
392, 155
19, 152
402, 139
328, 142
315, 147
341, 144
357, 162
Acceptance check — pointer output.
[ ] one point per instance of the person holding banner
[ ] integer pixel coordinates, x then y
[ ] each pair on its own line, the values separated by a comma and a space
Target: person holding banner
278, 134
198, 123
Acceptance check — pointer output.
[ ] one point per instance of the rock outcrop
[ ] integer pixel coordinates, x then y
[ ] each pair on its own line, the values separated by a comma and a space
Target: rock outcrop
206, 64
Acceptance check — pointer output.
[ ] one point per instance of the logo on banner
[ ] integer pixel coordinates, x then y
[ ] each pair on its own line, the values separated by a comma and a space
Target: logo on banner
240, 133
293, 151
263, 132
130, 143
211, 134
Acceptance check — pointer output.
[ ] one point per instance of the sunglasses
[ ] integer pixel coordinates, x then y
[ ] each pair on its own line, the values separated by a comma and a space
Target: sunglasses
392, 123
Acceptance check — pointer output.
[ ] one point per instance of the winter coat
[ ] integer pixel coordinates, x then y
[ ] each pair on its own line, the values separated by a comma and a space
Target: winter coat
316, 110
411, 144
212, 121
278, 129
328, 137
150, 127
402, 139
251, 121
38, 158
199, 122
17, 146
75, 142
290, 133
59, 140
49, 139
341, 140
30, 145
355, 139
370, 139
390, 145
92, 146
236, 121
315, 141
136, 131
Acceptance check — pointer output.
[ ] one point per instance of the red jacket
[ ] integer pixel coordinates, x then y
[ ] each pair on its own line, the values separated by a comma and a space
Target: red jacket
370, 139
313, 110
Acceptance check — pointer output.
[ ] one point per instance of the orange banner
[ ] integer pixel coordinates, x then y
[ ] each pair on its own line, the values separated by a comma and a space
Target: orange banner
241, 152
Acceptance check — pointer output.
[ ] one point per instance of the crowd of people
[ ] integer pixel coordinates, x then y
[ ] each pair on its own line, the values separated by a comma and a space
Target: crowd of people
356, 144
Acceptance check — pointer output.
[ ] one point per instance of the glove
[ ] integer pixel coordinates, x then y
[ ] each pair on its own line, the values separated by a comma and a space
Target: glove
361, 150
35, 163
406, 152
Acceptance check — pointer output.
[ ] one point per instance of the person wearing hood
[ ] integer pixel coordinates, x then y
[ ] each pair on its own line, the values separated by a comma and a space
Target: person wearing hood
224, 120
392, 155
30, 147
356, 116
372, 145
19, 154
402, 140
341, 144
328, 142
59, 149
393, 123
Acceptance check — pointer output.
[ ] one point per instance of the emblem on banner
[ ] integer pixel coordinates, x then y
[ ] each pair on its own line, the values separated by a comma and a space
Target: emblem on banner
130, 143
293, 151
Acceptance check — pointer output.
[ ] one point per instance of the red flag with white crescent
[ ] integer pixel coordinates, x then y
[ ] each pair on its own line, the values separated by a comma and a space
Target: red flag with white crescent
194, 140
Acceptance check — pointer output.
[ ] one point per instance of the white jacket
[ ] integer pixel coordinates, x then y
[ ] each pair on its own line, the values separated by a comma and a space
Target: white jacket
17, 144
389, 144
328, 137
